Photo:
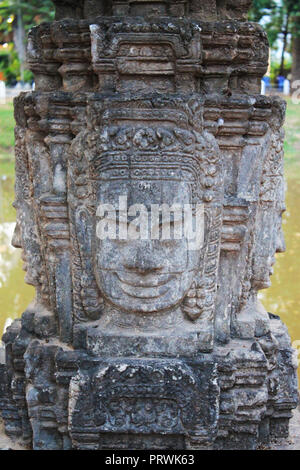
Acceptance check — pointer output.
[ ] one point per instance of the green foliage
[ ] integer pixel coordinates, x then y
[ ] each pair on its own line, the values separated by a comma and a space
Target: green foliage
276, 16
16, 14
10, 66
260, 9
32, 11
281, 20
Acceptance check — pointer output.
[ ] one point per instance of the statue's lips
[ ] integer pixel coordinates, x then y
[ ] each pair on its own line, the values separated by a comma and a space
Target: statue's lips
150, 287
144, 292
145, 280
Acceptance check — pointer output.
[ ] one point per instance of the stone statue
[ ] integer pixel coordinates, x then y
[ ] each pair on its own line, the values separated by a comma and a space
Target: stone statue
149, 196
143, 281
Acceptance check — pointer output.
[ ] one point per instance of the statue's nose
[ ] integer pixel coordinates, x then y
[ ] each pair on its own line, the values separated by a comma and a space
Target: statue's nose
143, 260
16, 238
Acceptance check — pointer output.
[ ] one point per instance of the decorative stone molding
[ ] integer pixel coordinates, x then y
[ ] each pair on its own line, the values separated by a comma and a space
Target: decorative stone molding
146, 343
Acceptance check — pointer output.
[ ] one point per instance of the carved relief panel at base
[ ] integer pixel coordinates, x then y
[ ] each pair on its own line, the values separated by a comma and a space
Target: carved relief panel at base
149, 197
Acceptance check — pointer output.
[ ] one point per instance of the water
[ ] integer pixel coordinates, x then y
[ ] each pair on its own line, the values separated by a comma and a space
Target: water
15, 295
283, 298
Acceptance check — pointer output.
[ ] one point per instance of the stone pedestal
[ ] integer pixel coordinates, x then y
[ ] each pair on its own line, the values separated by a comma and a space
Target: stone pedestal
138, 341
138, 403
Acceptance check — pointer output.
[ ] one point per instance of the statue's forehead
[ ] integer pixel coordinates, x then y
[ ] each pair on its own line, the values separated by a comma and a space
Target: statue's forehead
146, 191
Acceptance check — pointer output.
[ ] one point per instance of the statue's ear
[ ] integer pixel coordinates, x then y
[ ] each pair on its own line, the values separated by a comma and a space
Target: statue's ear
90, 295
83, 230
194, 302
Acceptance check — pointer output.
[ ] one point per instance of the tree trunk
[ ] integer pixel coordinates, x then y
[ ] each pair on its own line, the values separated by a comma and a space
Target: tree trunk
296, 56
19, 41
285, 36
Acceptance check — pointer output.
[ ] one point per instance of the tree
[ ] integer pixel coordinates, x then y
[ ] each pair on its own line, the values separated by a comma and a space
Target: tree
260, 9
281, 19
296, 48
19, 16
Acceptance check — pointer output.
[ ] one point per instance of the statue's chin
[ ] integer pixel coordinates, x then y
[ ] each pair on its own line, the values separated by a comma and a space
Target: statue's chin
145, 306
148, 294
260, 284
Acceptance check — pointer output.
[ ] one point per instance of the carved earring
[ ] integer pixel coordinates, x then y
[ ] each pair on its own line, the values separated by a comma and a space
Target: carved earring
92, 301
194, 302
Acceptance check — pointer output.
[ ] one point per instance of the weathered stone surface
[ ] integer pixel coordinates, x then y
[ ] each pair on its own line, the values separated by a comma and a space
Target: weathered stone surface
212, 10
146, 342
170, 401
139, 54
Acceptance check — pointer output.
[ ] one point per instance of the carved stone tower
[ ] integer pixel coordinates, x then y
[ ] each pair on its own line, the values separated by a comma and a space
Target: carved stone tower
148, 342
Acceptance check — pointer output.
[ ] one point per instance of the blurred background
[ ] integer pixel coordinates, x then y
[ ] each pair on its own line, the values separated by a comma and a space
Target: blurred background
281, 20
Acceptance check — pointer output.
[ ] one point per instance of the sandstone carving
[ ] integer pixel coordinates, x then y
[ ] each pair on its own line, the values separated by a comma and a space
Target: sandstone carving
138, 342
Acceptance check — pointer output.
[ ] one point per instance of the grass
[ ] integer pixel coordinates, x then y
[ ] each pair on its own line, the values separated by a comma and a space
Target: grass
292, 140
7, 124
291, 145
7, 166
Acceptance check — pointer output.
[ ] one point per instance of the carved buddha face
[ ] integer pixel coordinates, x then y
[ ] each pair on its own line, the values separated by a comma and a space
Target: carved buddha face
24, 237
271, 241
140, 154
139, 273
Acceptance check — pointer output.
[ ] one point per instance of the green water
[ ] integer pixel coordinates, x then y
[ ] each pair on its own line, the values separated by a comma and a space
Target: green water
283, 298
15, 295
